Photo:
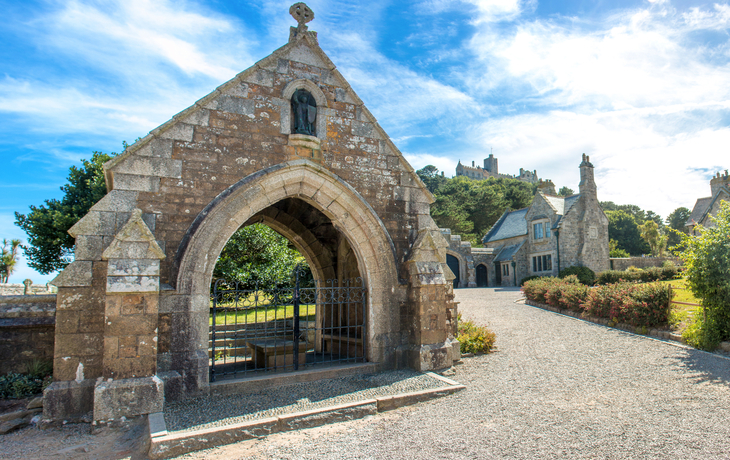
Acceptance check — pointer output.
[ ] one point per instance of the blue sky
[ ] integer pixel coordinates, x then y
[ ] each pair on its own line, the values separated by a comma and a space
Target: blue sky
641, 86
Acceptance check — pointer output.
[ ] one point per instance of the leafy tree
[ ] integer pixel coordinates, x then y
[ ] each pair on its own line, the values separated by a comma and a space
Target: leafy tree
430, 176
707, 269
470, 207
614, 251
258, 254
565, 191
676, 221
8, 259
651, 234
50, 245
622, 227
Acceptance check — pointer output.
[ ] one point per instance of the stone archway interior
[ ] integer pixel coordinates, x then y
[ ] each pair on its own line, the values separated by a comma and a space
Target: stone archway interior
326, 324
453, 264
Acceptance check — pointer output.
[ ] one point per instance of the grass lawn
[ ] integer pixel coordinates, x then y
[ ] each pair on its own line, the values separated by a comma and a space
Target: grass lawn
261, 314
681, 315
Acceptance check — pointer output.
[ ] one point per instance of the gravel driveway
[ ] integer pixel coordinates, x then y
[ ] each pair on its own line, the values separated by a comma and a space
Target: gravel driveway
556, 388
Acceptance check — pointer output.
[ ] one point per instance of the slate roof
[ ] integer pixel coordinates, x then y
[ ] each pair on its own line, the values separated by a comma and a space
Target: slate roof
511, 224
567, 204
699, 210
508, 252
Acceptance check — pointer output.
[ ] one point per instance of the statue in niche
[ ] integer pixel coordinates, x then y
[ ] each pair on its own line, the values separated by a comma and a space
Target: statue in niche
304, 111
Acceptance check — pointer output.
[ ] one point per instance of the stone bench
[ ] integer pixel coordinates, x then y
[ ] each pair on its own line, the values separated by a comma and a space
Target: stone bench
276, 352
343, 345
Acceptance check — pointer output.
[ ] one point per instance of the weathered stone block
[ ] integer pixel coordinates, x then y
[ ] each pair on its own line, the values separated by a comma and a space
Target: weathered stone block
133, 267
128, 397
69, 400
132, 284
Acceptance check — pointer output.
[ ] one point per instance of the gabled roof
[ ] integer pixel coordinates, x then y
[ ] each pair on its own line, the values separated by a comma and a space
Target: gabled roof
508, 252
567, 205
701, 206
722, 191
511, 224
289, 51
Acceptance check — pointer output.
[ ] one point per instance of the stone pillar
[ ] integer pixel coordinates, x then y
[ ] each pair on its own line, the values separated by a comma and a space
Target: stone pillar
130, 386
431, 310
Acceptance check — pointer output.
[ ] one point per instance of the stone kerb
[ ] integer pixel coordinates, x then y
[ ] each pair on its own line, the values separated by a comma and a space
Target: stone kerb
310, 182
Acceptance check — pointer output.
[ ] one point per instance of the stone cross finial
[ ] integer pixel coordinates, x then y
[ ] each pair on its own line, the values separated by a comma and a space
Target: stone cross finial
302, 13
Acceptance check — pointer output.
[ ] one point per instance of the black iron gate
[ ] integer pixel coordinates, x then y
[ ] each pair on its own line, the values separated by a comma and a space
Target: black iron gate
286, 327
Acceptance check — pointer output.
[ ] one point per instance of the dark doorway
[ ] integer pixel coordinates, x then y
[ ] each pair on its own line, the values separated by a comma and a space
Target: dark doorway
453, 264
498, 273
481, 275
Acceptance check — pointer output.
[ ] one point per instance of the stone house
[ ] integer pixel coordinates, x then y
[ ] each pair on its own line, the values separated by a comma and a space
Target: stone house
709, 206
555, 232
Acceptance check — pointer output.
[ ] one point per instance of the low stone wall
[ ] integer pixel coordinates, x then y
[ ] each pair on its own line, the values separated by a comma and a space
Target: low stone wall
21, 289
27, 330
641, 262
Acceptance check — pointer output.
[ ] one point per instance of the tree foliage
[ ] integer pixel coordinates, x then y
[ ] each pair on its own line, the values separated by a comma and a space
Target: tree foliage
470, 207
654, 238
431, 178
622, 228
565, 191
707, 269
50, 246
8, 259
257, 255
676, 221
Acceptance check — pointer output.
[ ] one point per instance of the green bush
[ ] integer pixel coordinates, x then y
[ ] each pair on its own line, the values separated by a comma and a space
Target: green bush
528, 278
641, 305
16, 386
619, 253
536, 289
475, 339
585, 275
707, 269
615, 276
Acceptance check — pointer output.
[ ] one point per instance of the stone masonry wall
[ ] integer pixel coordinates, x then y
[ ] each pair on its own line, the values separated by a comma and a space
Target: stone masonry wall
27, 326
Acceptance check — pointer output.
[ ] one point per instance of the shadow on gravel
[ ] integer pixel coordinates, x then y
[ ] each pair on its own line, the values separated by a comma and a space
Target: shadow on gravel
711, 367
203, 410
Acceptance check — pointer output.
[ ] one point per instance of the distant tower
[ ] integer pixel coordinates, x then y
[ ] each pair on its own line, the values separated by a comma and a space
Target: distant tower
490, 164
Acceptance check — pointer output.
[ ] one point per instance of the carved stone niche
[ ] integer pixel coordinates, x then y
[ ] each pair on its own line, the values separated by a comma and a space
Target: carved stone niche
304, 145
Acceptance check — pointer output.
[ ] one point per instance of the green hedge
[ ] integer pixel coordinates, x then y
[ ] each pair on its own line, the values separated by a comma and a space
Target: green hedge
641, 305
647, 275
585, 275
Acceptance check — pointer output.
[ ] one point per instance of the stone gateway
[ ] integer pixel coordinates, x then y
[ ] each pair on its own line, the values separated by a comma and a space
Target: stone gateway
133, 308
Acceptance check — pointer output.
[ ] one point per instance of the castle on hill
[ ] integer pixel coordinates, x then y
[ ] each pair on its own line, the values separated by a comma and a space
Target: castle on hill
491, 169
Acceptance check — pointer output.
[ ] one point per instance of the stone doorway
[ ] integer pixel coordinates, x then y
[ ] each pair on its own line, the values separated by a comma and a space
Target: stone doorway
482, 275
453, 264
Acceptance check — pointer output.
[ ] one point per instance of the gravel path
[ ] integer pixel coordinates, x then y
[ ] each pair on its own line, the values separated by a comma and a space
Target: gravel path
556, 388
214, 411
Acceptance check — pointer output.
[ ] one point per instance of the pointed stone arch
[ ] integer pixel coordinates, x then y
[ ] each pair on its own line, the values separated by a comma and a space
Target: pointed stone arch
351, 215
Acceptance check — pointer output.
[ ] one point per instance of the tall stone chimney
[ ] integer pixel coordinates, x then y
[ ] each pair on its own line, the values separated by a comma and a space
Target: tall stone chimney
719, 181
587, 184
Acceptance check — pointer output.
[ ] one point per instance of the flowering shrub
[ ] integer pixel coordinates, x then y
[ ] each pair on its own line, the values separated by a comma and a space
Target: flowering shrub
641, 305
474, 339
536, 289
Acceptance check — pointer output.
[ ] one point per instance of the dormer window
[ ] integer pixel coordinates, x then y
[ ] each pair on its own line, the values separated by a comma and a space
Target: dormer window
541, 230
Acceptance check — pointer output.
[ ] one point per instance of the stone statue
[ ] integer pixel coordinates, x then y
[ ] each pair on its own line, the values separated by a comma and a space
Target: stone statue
304, 111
